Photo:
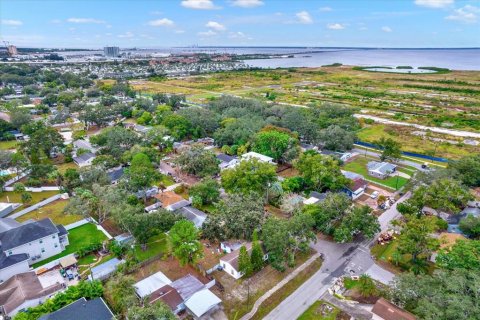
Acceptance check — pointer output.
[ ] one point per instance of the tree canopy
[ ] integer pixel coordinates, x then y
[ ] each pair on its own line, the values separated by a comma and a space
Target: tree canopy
249, 176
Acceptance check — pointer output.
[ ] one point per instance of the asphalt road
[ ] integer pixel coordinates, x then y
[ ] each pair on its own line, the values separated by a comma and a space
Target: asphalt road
362, 152
339, 259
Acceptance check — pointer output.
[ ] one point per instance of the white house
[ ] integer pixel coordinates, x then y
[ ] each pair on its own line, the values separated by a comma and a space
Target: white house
380, 170
229, 262
30, 243
357, 187
260, 157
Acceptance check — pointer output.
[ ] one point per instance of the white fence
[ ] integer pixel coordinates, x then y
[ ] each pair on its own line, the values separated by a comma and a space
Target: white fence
77, 224
35, 189
36, 206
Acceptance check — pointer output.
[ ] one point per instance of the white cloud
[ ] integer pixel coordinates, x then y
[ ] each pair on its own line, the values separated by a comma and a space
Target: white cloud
325, 9
434, 3
199, 4
239, 36
335, 26
179, 31
127, 34
304, 17
386, 29
466, 14
56, 21
247, 3
85, 20
215, 26
14, 23
161, 23
208, 33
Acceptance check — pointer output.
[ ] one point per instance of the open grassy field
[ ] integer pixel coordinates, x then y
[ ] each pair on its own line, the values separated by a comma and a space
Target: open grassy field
53, 211
78, 238
155, 246
450, 100
16, 197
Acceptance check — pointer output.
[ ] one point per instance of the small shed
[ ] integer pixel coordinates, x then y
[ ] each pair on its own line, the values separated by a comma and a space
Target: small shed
104, 270
68, 261
201, 303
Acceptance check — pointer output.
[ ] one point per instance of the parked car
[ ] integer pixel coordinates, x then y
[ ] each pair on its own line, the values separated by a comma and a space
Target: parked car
374, 194
70, 275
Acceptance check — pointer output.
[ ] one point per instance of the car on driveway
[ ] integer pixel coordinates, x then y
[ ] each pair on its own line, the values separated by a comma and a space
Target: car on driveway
374, 194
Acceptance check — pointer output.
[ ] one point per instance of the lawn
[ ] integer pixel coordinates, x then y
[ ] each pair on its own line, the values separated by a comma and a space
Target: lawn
16, 197
78, 238
53, 211
316, 312
62, 168
359, 165
156, 245
166, 180
8, 145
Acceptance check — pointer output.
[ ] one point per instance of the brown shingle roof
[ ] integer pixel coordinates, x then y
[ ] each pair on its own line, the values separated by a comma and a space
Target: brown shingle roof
23, 287
168, 198
168, 295
389, 311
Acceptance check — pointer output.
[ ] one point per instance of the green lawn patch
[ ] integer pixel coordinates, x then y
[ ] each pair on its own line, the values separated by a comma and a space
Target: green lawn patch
53, 211
156, 245
8, 145
166, 180
10, 196
78, 238
318, 311
62, 168
359, 165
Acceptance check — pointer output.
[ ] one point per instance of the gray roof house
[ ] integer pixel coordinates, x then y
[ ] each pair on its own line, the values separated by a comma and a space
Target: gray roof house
84, 159
196, 216
226, 161
82, 309
380, 170
115, 174
29, 243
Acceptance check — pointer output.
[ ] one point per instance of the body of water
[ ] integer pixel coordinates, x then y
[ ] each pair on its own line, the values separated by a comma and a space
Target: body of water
454, 59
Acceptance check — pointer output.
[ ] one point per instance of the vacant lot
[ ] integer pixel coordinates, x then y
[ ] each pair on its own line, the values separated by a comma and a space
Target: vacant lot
53, 211
322, 310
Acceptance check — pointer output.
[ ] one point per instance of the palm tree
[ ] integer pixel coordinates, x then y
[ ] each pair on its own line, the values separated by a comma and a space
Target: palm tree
366, 286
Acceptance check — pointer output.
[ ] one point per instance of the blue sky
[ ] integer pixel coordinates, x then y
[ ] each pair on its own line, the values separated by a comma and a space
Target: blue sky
163, 23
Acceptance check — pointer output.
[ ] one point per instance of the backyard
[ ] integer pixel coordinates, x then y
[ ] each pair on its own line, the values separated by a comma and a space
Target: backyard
78, 238
16, 197
53, 211
359, 165
156, 245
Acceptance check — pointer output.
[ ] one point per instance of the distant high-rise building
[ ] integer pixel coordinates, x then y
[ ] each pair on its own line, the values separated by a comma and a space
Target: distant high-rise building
111, 52
12, 50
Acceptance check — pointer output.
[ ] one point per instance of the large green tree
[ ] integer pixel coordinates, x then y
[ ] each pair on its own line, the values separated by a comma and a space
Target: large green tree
198, 161
206, 191
416, 240
463, 254
320, 172
249, 176
336, 138
444, 295
470, 225
156, 311
359, 220
467, 170
141, 173
280, 145
236, 217
329, 212
186, 246
391, 149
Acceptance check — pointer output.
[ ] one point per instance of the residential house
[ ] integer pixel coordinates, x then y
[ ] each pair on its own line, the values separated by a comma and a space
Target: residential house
226, 161
202, 303
7, 207
141, 129
306, 147
258, 156
388, 311
381, 170
179, 294
23, 291
194, 215
82, 309
343, 156
453, 220
171, 201
229, 262
229, 246
315, 197
85, 145
84, 160
357, 187
115, 174
29, 243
